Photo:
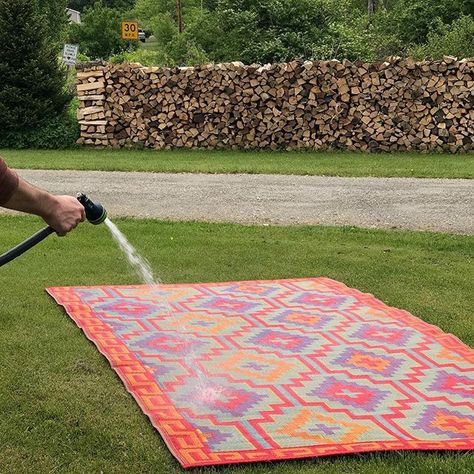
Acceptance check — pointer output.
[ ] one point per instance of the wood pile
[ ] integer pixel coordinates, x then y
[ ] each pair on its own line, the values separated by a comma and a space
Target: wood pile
394, 105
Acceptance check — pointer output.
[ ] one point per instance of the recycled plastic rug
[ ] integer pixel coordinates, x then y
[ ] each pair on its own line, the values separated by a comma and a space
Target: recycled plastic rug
265, 370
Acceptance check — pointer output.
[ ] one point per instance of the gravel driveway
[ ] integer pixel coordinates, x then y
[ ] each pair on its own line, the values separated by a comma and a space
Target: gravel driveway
445, 205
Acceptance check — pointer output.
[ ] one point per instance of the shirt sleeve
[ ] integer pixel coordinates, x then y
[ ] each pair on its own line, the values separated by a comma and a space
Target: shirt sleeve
8, 182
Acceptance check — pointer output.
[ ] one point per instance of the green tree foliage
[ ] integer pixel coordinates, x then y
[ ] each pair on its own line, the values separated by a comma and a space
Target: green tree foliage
152, 12
81, 5
32, 83
407, 24
414, 19
55, 18
98, 35
159, 17
269, 30
456, 39
255, 31
281, 30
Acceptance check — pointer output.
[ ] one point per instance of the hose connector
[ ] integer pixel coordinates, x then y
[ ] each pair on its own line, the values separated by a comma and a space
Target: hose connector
95, 212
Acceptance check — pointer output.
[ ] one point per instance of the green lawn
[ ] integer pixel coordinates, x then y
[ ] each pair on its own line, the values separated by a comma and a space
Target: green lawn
150, 43
198, 161
64, 409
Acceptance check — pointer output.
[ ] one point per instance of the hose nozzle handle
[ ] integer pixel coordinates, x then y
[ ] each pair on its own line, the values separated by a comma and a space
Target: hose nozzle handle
95, 213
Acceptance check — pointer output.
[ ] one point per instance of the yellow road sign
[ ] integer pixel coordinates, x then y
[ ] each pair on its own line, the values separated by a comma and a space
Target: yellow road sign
129, 30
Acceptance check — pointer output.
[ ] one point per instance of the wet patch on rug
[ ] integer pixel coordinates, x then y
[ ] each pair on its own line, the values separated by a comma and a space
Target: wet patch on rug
282, 369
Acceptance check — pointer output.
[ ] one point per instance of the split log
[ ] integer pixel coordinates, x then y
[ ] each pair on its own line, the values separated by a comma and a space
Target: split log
385, 106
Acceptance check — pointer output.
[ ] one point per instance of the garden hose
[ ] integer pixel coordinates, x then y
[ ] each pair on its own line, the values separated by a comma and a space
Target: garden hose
95, 214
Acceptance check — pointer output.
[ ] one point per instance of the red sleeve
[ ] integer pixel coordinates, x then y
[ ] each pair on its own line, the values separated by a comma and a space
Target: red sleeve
8, 182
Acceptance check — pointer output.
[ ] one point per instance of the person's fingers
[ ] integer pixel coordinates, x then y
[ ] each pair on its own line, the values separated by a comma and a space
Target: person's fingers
67, 227
67, 215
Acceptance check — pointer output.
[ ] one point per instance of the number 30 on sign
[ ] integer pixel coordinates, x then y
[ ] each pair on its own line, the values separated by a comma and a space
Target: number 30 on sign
129, 30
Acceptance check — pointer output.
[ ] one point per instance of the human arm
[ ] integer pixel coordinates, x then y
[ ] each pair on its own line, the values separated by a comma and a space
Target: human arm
62, 213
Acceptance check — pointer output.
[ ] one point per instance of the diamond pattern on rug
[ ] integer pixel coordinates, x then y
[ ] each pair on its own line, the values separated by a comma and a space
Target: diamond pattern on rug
282, 369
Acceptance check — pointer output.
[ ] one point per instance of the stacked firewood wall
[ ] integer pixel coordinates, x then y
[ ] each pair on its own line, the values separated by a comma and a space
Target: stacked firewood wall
384, 106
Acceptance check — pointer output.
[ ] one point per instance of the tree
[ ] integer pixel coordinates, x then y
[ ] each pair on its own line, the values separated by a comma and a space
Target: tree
413, 19
400, 27
264, 31
98, 35
81, 5
456, 39
32, 85
282, 30
371, 6
181, 11
56, 19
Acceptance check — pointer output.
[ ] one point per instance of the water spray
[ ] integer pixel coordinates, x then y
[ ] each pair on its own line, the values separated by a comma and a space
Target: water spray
95, 214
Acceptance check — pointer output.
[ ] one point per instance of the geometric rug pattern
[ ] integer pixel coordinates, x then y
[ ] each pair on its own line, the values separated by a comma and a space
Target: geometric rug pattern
265, 370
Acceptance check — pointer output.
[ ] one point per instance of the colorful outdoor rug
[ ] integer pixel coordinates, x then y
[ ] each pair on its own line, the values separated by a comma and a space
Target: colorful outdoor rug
264, 370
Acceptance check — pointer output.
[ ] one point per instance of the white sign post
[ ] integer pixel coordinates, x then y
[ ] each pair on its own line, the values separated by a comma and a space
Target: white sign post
70, 54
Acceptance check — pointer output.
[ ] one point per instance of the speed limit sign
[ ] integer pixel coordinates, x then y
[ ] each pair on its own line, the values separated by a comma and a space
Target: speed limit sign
129, 30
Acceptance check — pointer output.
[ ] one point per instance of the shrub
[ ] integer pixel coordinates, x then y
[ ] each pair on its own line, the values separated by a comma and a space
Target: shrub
59, 133
145, 57
98, 35
185, 52
456, 39
414, 19
81, 5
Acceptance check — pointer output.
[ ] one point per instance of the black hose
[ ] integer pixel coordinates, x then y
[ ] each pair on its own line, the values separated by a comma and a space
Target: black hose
95, 214
25, 245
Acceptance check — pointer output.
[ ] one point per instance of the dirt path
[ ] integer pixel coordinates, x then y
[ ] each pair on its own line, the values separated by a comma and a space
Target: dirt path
445, 205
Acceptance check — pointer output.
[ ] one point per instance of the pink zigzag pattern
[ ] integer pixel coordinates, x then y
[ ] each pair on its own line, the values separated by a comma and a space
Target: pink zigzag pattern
280, 369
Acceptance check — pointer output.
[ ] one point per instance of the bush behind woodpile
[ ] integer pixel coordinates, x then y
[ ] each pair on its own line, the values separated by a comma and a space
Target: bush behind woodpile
384, 106
58, 133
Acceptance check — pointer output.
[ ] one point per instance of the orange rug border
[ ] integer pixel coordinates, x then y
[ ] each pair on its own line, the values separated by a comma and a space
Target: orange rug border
187, 446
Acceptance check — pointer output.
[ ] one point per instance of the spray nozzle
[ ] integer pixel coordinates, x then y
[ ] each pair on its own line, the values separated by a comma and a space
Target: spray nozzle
95, 213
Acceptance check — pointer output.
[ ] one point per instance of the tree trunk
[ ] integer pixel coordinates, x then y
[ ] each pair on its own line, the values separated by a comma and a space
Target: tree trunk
179, 15
371, 6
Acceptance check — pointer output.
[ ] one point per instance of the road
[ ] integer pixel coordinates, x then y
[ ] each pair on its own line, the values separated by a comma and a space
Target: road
444, 205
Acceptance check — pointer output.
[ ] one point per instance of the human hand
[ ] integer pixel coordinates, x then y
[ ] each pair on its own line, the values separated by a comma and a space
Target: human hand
63, 214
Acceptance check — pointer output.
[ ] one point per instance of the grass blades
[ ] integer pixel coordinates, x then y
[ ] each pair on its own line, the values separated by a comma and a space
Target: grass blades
64, 409
205, 161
